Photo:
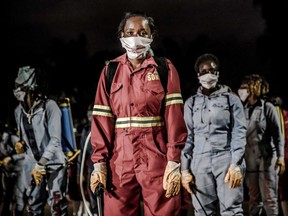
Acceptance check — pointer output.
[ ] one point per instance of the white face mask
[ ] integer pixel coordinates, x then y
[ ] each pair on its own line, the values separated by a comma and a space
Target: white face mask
243, 94
136, 47
19, 95
209, 80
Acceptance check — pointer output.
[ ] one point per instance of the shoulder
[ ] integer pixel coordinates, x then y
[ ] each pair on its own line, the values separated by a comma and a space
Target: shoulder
190, 100
51, 105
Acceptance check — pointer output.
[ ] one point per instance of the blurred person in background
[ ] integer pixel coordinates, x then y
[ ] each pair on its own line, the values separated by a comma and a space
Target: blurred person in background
38, 120
264, 153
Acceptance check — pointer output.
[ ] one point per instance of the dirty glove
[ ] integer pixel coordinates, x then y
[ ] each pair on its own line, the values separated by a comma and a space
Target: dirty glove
172, 179
280, 164
6, 161
20, 147
187, 179
98, 176
233, 176
38, 173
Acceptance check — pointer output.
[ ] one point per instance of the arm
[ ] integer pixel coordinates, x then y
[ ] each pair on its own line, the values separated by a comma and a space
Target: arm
174, 120
275, 128
238, 139
53, 114
102, 123
186, 154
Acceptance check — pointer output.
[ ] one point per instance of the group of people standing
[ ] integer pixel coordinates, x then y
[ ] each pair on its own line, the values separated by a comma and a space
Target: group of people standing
150, 146
210, 145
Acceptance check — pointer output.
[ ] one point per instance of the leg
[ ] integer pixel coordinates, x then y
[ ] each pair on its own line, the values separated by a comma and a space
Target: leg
269, 188
57, 191
205, 197
230, 200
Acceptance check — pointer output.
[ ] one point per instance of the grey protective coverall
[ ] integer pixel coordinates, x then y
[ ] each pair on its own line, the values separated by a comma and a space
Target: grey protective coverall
264, 144
43, 125
216, 138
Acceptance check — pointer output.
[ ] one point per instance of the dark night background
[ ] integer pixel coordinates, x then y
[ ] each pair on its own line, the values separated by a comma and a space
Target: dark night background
71, 39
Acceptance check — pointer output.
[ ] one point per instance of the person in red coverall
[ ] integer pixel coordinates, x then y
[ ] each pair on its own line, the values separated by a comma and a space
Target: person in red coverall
136, 148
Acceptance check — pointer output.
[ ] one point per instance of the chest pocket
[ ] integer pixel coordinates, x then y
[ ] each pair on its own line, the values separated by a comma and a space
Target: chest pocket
154, 93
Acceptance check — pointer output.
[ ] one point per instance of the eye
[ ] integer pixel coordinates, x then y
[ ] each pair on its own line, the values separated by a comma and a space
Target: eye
143, 34
129, 34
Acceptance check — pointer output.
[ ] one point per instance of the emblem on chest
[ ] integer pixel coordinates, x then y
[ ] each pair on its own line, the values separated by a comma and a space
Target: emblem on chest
153, 76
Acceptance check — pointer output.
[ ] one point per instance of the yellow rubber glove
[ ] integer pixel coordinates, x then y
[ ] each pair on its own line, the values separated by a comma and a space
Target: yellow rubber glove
280, 164
187, 179
233, 176
99, 175
38, 174
20, 147
172, 179
6, 161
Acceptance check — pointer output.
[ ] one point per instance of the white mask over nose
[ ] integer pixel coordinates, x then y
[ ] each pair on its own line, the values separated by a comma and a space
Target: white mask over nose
19, 94
136, 47
243, 94
209, 80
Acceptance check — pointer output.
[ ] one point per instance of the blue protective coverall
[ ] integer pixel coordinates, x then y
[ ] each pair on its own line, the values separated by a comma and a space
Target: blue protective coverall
216, 138
43, 125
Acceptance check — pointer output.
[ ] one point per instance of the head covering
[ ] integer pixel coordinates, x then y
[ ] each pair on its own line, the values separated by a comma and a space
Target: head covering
26, 77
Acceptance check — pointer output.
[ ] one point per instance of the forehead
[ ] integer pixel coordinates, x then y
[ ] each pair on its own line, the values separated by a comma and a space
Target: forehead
207, 64
136, 23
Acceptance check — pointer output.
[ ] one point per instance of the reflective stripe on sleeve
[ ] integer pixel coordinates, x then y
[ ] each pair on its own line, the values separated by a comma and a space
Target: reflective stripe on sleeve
175, 98
102, 110
150, 121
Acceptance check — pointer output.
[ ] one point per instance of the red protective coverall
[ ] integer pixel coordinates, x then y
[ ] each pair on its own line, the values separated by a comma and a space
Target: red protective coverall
129, 133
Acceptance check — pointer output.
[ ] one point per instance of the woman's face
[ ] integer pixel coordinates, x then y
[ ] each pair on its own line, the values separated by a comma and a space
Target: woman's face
137, 26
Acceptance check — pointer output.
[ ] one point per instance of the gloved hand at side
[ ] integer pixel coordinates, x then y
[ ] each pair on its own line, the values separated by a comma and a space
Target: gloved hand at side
172, 179
98, 176
38, 173
280, 163
5, 162
20, 147
234, 176
187, 179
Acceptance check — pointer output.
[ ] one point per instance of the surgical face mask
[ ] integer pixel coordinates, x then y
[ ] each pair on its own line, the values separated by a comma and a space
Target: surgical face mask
243, 94
209, 80
19, 94
136, 47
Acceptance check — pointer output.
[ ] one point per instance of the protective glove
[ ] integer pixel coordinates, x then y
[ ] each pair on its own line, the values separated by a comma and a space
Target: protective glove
233, 176
187, 179
38, 173
98, 176
280, 164
172, 179
20, 147
6, 161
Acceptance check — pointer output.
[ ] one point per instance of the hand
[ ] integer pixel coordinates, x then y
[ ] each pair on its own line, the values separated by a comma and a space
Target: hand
233, 176
280, 163
38, 173
6, 161
98, 176
20, 147
187, 179
172, 179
